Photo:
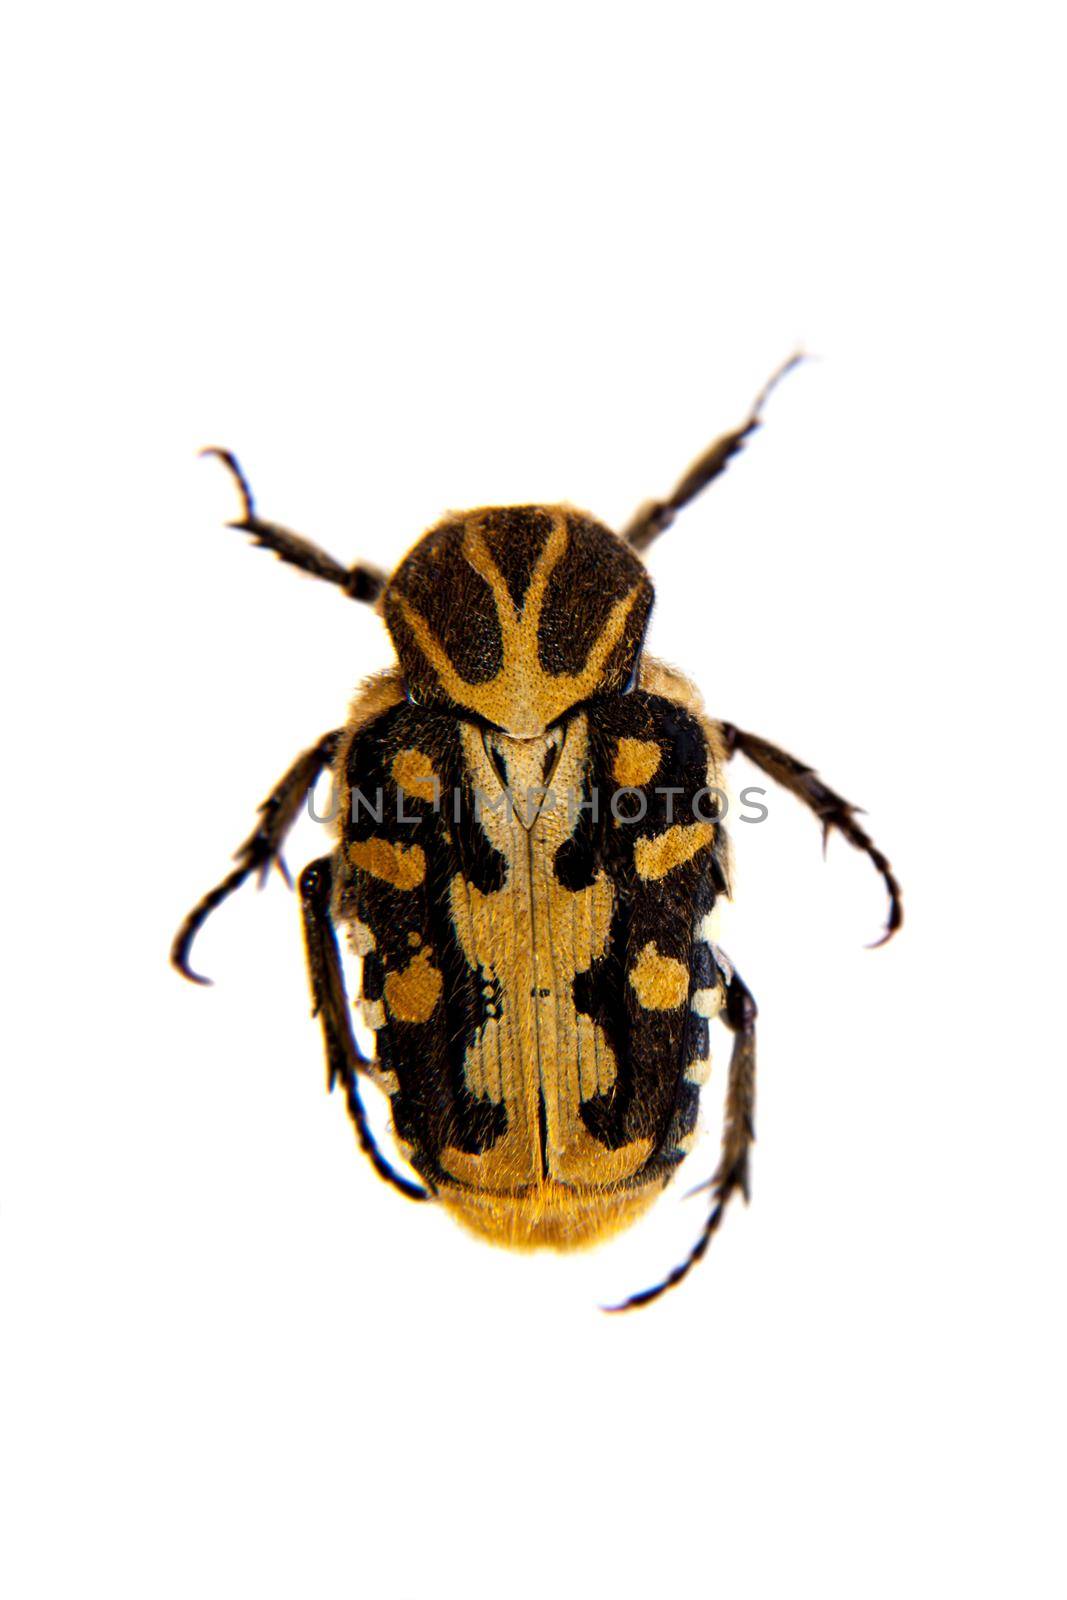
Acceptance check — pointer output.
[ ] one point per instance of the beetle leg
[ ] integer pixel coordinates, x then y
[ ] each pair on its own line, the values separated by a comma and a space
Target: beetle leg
830, 808
656, 516
738, 1131
263, 846
360, 582
330, 1004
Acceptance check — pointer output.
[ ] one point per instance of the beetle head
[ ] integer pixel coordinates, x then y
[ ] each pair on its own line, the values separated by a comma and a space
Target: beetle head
517, 613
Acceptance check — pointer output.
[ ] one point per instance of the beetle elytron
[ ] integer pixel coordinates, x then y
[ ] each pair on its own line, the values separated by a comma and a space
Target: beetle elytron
539, 978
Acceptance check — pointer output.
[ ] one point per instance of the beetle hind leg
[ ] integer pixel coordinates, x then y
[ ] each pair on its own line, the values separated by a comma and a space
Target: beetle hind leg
331, 1006
737, 1134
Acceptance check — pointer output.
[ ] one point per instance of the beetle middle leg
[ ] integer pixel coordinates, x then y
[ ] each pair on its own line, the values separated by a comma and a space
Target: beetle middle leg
831, 810
332, 1007
738, 1130
262, 848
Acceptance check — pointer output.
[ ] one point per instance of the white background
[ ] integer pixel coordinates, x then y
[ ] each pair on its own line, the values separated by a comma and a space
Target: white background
416, 258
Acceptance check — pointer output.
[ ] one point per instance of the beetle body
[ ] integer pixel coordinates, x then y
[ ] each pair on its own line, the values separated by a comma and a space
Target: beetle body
534, 970
528, 865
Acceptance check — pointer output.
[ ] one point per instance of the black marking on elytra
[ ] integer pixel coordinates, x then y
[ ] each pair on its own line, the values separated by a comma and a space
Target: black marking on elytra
698, 1043
603, 1117
578, 858
653, 1048
433, 1104
373, 986
542, 1130
686, 1111
478, 1122
473, 854
705, 972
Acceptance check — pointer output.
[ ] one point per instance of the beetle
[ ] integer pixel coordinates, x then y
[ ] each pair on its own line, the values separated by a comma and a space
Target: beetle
539, 977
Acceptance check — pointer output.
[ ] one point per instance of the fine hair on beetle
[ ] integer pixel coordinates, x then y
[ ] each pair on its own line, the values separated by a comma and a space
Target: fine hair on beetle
529, 859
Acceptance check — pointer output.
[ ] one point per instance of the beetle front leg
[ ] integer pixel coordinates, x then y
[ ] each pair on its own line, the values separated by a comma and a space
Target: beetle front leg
656, 517
831, 810
262, 848
359, 582
738, 1131
331, 1005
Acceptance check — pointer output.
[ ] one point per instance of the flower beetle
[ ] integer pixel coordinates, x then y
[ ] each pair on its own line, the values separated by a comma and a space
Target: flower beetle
528, 863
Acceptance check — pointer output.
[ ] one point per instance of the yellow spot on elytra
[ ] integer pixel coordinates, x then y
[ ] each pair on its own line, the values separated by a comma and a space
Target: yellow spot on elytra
654, 858
413, 771
414, 938
411, 995
660, 982
636, 761
404, 866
